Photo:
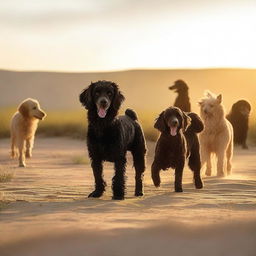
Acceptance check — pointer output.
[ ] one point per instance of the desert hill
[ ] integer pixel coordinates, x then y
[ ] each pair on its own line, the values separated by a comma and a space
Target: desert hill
145, 90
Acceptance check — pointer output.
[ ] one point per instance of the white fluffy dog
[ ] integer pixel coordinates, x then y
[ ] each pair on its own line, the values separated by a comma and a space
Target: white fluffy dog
217, 136
23, 127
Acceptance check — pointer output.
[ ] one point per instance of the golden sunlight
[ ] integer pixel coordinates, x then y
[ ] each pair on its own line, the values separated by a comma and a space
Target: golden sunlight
113, 36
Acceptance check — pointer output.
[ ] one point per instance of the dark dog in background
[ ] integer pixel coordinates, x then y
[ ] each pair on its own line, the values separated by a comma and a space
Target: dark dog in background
182, 101
110, 137
239, 118
178, 140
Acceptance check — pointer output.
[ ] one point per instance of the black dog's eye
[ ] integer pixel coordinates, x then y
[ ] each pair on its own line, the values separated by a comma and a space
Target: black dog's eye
109, 93
97, 93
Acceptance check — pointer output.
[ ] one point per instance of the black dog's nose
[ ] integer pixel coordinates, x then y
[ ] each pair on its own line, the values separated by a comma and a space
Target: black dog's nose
103, 102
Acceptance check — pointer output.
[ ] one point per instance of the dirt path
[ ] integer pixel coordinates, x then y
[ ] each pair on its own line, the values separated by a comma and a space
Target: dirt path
50, 197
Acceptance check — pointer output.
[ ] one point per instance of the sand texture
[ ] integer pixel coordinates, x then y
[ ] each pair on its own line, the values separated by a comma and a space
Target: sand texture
45, 210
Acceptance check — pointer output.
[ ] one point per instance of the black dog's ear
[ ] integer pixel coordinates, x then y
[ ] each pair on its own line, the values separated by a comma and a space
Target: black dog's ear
186, 121
85, 97
118, 97
160, 123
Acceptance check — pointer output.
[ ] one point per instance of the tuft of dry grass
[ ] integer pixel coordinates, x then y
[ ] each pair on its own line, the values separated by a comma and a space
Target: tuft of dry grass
80, 160
5, 175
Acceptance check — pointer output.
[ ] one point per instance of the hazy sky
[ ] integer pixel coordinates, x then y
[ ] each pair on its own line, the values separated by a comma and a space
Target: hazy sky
76, 35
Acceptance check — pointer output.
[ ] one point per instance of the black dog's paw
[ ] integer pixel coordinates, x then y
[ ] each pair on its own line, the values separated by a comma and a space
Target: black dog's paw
118, 197
139, 193
178, 189
199, 184
96, 194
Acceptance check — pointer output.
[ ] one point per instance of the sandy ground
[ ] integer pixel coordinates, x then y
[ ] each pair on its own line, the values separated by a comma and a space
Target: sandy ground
45, 210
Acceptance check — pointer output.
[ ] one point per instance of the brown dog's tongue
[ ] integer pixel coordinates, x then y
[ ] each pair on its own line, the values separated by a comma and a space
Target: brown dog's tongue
102, 112
173, 131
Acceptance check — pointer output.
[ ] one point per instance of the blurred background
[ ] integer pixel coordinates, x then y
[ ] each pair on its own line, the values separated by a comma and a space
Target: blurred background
50, 50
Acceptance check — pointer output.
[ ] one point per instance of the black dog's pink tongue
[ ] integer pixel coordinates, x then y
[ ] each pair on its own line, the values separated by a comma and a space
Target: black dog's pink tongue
173, 131
102, 112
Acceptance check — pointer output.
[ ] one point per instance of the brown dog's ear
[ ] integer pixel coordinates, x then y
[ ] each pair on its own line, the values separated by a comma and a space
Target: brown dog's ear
85, 97
186, 121
118, 97
23, 109
160, 123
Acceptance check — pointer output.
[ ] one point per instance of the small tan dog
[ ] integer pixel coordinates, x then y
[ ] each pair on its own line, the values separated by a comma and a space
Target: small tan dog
217, 136
23, 127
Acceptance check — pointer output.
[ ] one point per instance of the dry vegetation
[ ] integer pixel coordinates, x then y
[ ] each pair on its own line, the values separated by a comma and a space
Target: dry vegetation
74, 124
57, 123
6, 177
6, 174
63, 123
70, 123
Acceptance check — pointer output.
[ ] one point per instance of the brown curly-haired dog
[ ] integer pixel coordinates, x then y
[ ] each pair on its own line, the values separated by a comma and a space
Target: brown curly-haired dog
178, 140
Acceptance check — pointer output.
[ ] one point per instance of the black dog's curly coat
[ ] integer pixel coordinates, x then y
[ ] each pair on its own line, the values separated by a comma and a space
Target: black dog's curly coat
178, 140
110, 137
239, 118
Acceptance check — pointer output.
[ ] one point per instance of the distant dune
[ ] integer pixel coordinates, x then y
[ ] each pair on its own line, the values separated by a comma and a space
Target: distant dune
144, 89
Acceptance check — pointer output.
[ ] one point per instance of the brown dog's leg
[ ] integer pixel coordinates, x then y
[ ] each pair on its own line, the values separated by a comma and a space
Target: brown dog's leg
155, 174
178, 175
194, 164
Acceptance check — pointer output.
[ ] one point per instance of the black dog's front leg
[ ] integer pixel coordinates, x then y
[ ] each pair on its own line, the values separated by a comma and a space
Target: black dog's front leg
98, 176
178, 175
118, 185
139, 165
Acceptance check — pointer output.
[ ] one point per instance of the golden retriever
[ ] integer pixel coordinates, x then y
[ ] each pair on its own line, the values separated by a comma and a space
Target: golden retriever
23, 127
217, 136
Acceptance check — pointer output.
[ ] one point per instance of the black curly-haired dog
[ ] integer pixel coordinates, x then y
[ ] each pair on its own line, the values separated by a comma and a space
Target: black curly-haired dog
239, 118
178, 140
182, 101
110, 137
